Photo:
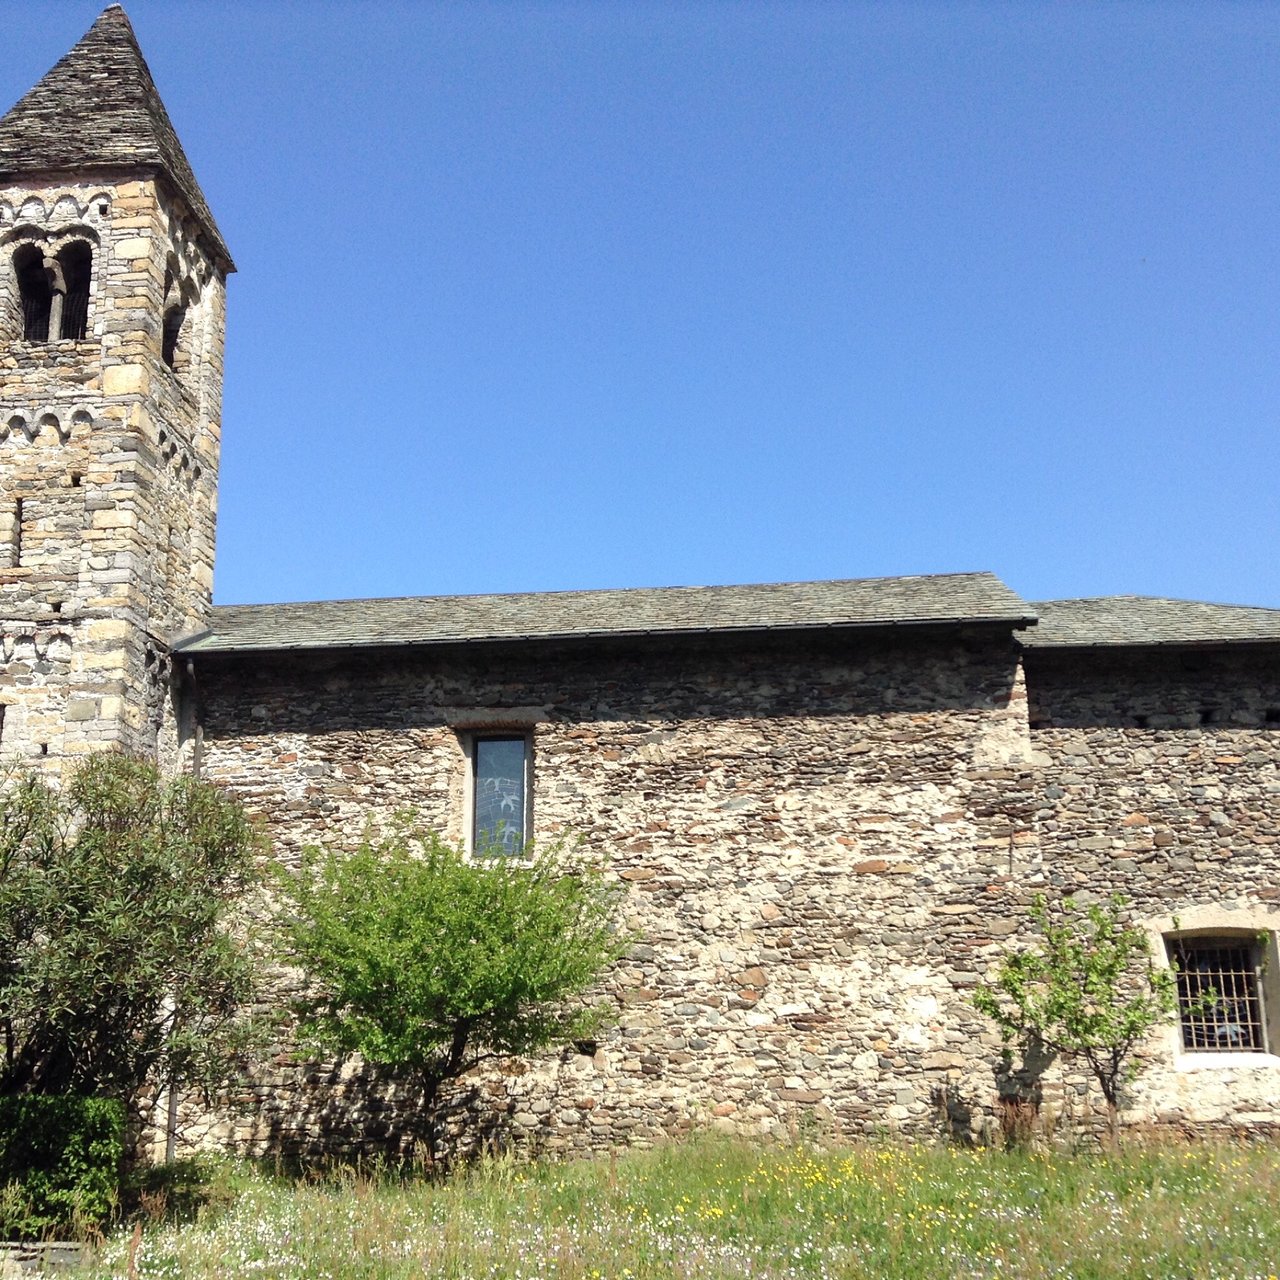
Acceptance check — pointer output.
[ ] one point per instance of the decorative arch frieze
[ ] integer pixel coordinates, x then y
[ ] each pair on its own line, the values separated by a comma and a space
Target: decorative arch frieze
178, 458
57, 206
21, 642
184, 237
58, 237
17, 427
48, 423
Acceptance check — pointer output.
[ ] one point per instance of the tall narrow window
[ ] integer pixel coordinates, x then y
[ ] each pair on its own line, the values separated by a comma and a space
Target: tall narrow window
173, 319
35, 291
1219, 1003
77, 270
500, 773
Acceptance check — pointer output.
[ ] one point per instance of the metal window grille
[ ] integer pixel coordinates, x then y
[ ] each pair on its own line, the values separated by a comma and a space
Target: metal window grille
75, 313
35, 317
77, 267
1219, 1001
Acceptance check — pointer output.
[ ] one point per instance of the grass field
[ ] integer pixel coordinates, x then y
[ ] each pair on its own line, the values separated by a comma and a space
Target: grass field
720, 1208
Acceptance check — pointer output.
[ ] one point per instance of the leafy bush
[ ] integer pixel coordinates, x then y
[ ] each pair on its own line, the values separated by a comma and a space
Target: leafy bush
1087, 990
427, 962
118, 962
59, 1163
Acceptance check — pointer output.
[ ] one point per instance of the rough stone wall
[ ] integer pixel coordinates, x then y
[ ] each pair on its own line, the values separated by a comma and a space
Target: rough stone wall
814, 835
826, 843
108, 468
1160, 780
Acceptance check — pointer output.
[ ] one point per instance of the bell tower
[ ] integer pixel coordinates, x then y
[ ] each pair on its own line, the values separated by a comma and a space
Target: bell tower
112, 309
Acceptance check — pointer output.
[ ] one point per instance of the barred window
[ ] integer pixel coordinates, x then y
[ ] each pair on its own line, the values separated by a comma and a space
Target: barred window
76, 261
54, 291
1219, 994
34, 292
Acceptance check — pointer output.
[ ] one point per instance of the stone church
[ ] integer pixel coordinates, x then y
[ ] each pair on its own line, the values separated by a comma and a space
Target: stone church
832, 803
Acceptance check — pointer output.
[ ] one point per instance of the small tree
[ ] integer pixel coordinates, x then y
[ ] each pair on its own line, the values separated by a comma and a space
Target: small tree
118, 961
1087, 990
429, 963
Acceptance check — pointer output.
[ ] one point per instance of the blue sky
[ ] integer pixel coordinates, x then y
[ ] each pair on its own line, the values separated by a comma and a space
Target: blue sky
542, 296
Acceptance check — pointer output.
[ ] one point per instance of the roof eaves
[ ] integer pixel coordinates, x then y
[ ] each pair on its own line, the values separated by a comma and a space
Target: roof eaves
206, 642
1202, 642
189, 639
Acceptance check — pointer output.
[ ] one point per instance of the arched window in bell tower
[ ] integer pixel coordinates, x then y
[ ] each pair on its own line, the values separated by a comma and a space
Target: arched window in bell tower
76, 261
35, 292
181, 313
173, 319
54, 290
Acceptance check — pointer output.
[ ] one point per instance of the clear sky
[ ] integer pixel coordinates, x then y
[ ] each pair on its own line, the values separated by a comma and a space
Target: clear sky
539, 296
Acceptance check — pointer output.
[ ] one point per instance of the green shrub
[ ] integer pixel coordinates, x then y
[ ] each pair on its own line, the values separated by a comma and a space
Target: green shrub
1087, 989
428, 962
59, 1163
123, 956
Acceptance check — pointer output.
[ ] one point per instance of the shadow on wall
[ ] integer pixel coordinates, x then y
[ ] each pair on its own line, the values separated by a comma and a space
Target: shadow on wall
605, 682
1020, 1092
299, 1112
1019, 1096
1149, 690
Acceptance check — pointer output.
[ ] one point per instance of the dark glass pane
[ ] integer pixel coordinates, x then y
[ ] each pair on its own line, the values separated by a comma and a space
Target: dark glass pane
499, 796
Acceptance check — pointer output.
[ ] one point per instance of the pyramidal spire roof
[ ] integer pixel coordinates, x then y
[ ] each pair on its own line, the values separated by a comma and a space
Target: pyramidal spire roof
98, 109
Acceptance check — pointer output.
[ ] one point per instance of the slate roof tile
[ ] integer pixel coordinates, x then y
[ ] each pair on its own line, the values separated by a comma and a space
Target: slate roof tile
424, 620
1142, 621
98, 109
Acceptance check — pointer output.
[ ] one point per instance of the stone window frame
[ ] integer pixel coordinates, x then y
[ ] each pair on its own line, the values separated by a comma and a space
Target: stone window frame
1259, 926
51, 245
467, 722
470, 727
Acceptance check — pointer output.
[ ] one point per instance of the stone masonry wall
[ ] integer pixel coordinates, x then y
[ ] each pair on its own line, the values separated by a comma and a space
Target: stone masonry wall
826, 844
1160, 780
815, 836
108, 467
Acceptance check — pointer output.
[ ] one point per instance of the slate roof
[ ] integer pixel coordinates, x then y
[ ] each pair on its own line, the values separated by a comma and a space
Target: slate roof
98, 109
1142, 621
427, 620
